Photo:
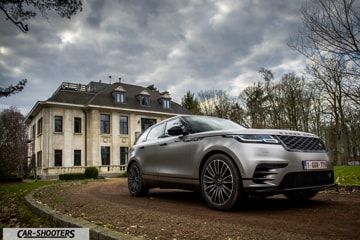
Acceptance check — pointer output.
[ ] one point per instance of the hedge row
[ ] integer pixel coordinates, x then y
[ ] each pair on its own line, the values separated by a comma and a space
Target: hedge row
90, 173
10, 179
72, 176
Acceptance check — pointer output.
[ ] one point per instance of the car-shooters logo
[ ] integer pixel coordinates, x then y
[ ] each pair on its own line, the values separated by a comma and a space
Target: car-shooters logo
46, 233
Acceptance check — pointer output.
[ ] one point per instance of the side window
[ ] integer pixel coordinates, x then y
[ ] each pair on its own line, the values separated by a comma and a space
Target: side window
142, 137
39, 126
58, 158
58, 123
105, 155
172, 123
77, 125
124, 125
104, 123
156, 132
33, 132
39, 159
77, 157
124, 155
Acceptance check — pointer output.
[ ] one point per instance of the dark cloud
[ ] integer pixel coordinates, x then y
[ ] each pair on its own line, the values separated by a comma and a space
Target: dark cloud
176, 45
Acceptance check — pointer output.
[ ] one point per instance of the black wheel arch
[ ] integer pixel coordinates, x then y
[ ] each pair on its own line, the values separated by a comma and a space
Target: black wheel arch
131, 161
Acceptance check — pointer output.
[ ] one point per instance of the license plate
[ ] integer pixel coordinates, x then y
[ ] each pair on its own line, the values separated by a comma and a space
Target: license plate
309, 165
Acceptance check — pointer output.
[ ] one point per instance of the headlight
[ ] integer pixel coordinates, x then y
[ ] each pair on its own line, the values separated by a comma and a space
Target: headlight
256, 138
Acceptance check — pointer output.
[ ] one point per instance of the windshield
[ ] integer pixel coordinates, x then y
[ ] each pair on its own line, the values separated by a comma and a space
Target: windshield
205, 123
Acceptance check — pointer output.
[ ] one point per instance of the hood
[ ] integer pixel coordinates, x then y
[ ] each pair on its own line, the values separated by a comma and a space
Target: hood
255, 131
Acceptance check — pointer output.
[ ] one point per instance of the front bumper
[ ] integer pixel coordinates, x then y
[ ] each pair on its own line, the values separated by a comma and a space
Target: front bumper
298, 181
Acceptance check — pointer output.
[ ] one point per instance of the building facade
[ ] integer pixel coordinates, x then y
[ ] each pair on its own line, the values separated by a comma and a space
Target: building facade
92, 125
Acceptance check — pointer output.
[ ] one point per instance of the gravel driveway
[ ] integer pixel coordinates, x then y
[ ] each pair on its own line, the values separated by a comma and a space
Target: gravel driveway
175, 214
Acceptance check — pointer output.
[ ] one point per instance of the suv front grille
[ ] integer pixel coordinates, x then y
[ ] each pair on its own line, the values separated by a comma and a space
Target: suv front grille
302, 144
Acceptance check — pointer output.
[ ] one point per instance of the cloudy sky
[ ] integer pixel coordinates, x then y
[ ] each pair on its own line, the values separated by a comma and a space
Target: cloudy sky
177, 45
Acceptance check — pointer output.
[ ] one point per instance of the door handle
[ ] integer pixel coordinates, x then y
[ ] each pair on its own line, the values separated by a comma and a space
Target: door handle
163, 144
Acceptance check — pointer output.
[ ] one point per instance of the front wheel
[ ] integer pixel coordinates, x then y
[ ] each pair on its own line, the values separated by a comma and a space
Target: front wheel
135, 182
221, 184
304, 195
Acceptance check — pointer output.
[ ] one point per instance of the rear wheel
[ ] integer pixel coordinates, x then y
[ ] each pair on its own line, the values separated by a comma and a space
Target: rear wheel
304, 195
221, 184
135, 181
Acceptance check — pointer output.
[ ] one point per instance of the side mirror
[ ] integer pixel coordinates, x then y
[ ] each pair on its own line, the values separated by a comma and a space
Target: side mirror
176, 131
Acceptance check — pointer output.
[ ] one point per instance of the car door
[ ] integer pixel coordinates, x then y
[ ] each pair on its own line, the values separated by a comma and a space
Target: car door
174, 154
148, 152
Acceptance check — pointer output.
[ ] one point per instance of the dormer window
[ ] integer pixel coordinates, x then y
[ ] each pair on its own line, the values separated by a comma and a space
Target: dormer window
119, 95
165, 101
144, 98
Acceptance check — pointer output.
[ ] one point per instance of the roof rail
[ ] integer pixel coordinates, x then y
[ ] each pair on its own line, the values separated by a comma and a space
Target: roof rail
75, 87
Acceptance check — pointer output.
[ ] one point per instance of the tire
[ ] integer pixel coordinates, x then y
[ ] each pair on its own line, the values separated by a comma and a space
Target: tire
135, 182
221, 184
305, 195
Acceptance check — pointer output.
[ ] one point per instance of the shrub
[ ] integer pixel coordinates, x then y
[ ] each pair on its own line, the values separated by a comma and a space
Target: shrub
10, 179
91, 172
72, 176
122, 175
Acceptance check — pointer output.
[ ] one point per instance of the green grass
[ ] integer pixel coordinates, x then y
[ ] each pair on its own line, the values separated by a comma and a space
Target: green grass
14, 212
347, 175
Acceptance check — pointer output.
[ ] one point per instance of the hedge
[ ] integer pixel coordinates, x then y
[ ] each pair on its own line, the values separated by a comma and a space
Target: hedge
91, 172
72, 176
10, 179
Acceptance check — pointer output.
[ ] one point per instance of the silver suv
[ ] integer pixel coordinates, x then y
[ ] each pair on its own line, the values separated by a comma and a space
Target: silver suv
227, 161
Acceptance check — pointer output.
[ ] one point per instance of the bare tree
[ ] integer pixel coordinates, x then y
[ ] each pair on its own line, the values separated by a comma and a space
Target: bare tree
353, 126
13, 143
254, 99
267, 74
272, 100
22, 10
216, 103
332, 29
207, 102
330, 81
297, 101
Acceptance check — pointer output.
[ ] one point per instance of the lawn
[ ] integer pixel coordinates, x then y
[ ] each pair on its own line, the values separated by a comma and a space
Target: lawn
14, 211
347, 175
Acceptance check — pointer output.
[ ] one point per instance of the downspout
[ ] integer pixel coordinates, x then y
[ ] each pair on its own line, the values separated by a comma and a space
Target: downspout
85, 133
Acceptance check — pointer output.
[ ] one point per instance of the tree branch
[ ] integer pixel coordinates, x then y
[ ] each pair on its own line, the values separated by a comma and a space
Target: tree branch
5, 92
19, 24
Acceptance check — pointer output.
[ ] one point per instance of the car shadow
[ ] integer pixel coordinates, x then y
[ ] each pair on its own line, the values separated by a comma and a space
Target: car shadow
270, 204
278, 203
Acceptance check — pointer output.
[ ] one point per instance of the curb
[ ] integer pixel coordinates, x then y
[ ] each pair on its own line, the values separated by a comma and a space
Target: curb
96, 232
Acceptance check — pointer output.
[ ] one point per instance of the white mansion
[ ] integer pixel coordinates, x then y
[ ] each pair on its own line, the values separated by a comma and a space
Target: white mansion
92, 125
